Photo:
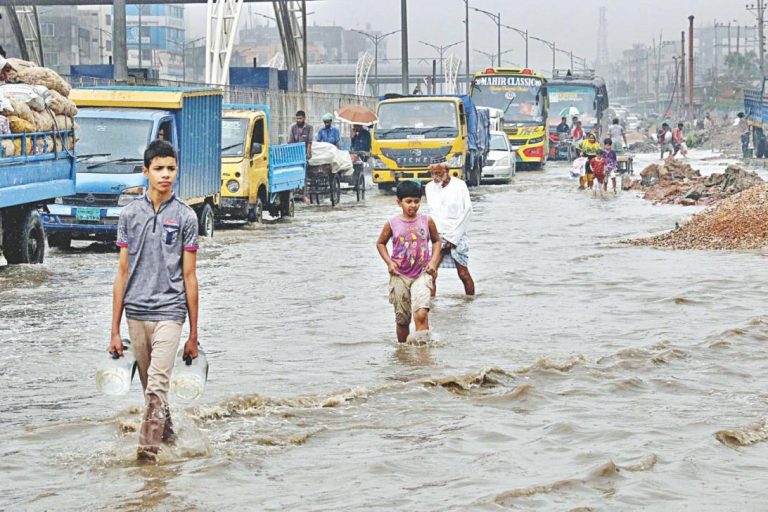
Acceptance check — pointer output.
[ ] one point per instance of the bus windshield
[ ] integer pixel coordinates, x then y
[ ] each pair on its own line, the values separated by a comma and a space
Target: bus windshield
571, 100
518, 97
417, 119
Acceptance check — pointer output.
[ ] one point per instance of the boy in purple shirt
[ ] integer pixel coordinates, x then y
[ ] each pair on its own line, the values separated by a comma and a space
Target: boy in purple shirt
611, 163
412, 264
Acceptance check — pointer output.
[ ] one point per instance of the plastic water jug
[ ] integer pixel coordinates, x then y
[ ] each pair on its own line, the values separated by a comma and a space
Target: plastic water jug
116, 373
189, 376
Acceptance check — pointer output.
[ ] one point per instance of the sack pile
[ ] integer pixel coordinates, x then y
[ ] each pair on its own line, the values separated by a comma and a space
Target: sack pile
35, 99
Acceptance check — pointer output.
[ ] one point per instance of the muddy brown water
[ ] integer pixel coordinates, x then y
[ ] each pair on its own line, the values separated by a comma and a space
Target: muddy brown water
584, 376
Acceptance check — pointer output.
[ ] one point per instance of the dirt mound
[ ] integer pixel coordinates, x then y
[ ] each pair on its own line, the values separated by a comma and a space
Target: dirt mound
737, 222
676, 182
725, 138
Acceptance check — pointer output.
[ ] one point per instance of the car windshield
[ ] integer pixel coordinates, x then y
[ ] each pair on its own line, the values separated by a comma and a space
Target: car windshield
417, 120
518, 97
111, 146
233, 133
499, 143
571, 100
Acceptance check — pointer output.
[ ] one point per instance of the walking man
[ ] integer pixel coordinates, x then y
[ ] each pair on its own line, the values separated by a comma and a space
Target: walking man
156, 284
451, 207
329, 133
301, 132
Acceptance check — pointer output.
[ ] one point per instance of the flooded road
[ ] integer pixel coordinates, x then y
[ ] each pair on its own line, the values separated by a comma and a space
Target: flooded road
583, 374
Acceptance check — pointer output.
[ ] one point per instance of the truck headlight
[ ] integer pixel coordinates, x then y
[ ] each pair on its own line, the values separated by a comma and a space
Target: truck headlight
457, 160
129, 194
233, 186
378, 163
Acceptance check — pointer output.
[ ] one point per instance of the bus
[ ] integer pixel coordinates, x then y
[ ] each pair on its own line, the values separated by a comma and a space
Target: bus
579, 94
518, 101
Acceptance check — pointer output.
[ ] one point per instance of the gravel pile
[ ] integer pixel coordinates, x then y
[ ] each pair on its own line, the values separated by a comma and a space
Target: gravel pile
737, 222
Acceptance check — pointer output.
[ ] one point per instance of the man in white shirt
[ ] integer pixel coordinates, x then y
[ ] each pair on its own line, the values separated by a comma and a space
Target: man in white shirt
450, 208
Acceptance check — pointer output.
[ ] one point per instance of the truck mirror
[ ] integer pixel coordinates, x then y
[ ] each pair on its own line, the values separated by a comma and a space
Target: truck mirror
256, 148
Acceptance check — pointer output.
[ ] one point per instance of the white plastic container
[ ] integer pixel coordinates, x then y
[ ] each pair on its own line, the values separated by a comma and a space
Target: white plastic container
189, 376
116, 373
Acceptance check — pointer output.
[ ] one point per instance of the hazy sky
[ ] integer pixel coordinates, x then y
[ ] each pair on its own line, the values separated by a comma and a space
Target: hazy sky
572, 24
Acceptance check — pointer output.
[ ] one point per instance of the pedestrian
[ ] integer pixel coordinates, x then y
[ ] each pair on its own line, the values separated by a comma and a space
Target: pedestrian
589, 148
745, 144
577, 133
664, 137
678, 141
361, 139
413, 263
597, 164
328, 133
611, 163
301, 132
156, 284
708, 122
618, 135
451, 208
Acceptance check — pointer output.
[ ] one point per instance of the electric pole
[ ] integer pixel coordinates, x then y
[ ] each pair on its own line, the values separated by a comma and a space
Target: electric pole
758, 10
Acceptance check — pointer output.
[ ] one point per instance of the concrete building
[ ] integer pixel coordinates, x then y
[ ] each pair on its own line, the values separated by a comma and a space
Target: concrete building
67, 39
156, 39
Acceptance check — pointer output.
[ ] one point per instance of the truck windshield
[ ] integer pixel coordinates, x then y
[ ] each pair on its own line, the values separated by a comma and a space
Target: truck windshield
119, 144
233, 133
517, 96
571, 100
417, 119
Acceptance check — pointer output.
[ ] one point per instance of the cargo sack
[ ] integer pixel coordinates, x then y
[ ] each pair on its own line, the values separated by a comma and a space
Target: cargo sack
19, 109
326, 153
37, 97
9, 149
61, 105
18, 65
46, 77
43, 121
19, 125
64, 123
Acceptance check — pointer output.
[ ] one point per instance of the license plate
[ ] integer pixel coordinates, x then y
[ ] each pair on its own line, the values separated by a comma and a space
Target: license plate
88, 214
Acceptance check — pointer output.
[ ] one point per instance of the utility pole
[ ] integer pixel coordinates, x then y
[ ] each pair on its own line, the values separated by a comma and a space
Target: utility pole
119, 48
682, 75
466, 44
140, 38
691, 75
404, 43
524, 35
376, 39
759, 11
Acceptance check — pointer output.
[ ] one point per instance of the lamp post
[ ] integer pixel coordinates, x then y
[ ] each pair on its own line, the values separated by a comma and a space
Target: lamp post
582, 61
184, 55
466, 42
551, 45
492, 56
441, 50
101, 43
376, 39
496, 18
524, 35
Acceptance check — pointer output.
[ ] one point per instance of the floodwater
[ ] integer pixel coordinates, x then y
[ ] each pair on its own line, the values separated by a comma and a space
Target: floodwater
585, 375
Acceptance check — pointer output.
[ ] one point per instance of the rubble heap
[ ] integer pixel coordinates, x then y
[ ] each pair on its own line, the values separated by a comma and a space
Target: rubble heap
738, 222
676, 182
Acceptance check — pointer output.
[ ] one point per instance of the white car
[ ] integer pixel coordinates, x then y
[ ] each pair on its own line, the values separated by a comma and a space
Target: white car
633, 123
501, 163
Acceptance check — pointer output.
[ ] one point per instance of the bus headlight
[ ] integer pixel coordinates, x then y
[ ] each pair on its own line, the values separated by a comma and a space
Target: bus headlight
233, 186
129, 195
457, 160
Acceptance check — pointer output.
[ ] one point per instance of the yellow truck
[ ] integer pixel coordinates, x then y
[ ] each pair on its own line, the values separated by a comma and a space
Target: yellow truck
518, 101
256, 175
414, 131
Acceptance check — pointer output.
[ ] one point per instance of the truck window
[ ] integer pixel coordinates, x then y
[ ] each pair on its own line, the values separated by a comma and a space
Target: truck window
417, 119
121, 142
165, 131
233, 132
258, 132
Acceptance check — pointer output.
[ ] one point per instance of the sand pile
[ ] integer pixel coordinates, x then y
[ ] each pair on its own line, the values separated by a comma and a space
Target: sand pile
737, 222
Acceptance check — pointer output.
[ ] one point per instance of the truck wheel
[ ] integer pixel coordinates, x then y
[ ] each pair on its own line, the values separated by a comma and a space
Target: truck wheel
206, 221
256, 213
385, 187
60, 240
24, 238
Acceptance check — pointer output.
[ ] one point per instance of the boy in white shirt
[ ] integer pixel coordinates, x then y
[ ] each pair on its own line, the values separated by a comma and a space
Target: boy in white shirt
450, 208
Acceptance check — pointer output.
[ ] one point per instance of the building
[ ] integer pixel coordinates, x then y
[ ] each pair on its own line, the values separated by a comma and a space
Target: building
67, 39
156, 39
99, 17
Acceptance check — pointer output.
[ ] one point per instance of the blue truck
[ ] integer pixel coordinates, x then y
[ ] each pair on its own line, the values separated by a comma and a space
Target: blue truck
756, 113
41, 168
115, 124
257, 175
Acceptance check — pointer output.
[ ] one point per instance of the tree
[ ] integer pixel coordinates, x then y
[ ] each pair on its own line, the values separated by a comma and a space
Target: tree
742, 66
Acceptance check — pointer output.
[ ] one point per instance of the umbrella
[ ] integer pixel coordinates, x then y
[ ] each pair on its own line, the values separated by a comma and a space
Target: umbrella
356, 114
569, 112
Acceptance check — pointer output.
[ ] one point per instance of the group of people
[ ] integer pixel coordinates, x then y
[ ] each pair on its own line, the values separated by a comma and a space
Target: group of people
599, 165
672, 141
301, 131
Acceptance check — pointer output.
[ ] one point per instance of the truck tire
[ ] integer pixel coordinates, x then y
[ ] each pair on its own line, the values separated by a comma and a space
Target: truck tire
385, 187
59, 240
24, 238
478, 173
206, 221
287, 204
256, 213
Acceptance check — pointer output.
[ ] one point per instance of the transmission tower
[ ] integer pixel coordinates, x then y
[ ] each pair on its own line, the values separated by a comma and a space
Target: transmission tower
602, 44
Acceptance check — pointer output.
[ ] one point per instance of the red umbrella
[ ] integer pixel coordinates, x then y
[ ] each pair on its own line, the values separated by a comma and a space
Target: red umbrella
356, 114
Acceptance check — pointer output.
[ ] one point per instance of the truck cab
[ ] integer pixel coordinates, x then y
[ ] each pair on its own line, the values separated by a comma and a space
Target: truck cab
244, 161
415, 131
115, 125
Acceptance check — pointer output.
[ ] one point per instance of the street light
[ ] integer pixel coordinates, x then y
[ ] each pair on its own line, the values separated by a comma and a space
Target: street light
441, 50
376, 39
492, 56
570, 54
101, 42
524, 34
184, 55
551, 45
496, 18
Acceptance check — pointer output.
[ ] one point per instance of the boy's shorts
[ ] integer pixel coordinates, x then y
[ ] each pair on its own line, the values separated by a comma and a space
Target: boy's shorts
407, 295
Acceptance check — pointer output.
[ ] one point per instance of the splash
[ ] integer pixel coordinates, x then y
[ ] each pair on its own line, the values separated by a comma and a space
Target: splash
744, 436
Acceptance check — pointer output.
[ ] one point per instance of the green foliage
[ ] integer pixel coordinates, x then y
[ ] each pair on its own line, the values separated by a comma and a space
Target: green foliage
743, 66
